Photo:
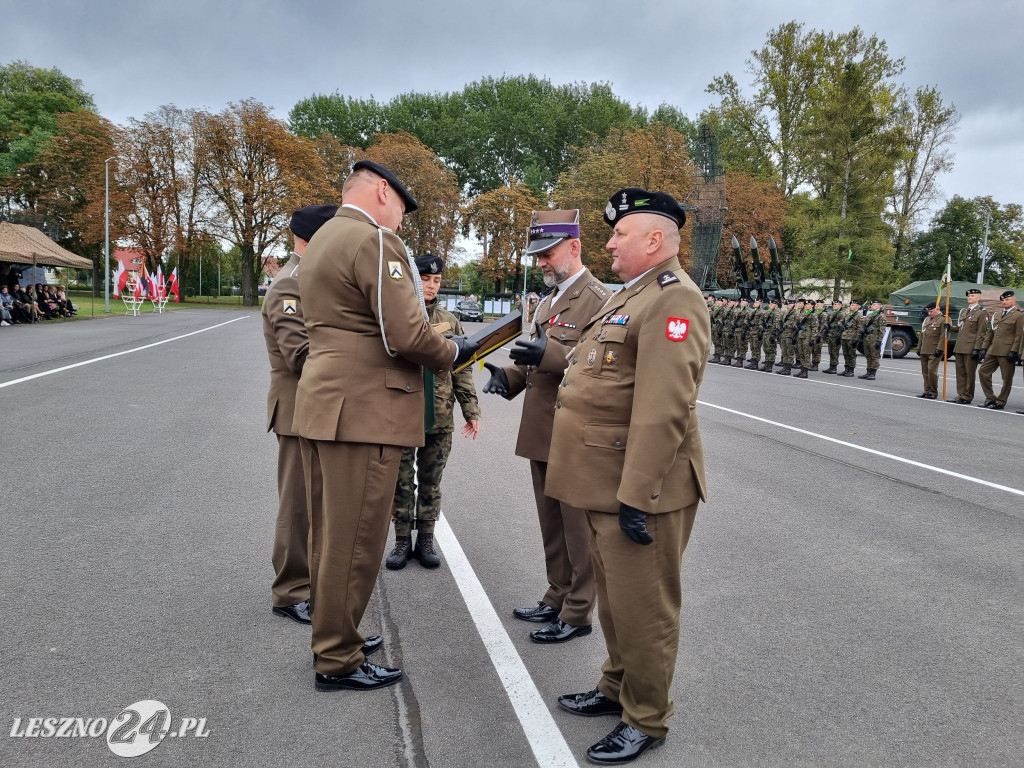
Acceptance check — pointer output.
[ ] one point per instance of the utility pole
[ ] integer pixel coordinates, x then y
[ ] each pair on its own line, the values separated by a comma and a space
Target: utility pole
984, 246
106, 238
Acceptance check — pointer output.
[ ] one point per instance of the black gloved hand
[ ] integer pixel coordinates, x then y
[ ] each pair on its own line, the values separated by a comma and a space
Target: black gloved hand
975, 354
1012, 356
530, 351
981, 354
633, 523
466, 349
949, 326
498, 383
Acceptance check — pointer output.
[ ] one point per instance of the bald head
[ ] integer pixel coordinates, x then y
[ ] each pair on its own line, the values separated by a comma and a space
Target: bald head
640, 241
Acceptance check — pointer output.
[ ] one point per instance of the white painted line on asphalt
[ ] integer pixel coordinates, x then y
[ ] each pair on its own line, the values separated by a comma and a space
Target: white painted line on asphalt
115, 354
545, 739
884, 455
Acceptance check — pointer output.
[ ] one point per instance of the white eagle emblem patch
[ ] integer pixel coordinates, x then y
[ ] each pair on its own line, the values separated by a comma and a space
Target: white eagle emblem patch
676, 328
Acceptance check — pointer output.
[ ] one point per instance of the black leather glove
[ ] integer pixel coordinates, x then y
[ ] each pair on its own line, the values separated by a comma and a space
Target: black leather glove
633, 523
975, 354
1012, 356
981, 354
949, 326
498, 383
530, 351
466, 349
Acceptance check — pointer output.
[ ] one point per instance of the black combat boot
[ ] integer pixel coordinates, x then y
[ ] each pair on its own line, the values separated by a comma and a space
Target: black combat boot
848, 372
424, 551
870, 376
752, 365
725, 360
814, 367
738, 362
786, 370
767, 366
831, 369
715, 358
400, 554
801, 374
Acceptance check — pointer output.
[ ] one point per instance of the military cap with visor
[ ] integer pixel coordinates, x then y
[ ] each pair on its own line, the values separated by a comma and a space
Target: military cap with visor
549, 228
391, 179
636, 200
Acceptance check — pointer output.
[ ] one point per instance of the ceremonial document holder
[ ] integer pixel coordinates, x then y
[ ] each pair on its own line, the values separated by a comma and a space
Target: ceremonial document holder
497, 334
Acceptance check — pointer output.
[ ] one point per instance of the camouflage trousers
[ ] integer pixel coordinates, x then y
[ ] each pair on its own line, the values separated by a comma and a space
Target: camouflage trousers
834, 347
873, 353
850, 353
755, 347
815, 350
740, 346
788, 349
804, 351
726, 344
417, 502
769, 345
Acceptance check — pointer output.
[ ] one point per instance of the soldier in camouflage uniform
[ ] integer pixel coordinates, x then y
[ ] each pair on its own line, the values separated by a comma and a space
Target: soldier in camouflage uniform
806, 332
819, 336
417, 501
739, 333
832, 335
755, 332
851, 334
787, 334
770, 334
716, 328
872, 334
728, 320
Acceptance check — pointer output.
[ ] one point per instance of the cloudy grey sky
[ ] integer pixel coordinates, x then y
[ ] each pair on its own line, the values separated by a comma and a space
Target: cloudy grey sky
135, 55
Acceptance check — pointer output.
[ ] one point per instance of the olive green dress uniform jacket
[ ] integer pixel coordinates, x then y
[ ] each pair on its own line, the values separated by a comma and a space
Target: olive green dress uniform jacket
540, 383
971, 325
287, 344
930, 349
1003, 332
351, 390
625, 421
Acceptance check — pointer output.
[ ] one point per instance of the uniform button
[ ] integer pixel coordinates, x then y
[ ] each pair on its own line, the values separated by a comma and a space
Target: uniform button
618, 443
558, 403
407, 387
529, 384
583, 338
574, 361
655, 495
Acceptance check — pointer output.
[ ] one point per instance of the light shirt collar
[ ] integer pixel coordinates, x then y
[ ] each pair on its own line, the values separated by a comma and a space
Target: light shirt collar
357, 208
639, 277
564, 286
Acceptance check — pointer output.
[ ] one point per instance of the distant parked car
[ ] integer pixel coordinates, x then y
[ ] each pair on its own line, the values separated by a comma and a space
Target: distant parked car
469, 310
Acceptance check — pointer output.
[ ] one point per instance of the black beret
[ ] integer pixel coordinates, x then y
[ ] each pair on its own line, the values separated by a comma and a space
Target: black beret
1006, 295
876, 301
856, 301
391, 179
306, 221
429, 264
931, 306
636, 200
973, 292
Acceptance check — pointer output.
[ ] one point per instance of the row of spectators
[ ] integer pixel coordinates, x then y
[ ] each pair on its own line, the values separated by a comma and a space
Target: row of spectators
44, 302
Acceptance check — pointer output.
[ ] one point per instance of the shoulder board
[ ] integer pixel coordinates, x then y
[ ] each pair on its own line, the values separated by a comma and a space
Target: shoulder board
667, 278
598, 287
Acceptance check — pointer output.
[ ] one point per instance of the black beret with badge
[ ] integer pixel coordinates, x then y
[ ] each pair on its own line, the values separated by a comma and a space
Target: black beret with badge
973, 292
429, 264
636, 200
391, 179
1006, 295
306, 221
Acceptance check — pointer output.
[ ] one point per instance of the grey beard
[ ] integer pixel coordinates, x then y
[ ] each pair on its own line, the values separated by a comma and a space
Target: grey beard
555, 278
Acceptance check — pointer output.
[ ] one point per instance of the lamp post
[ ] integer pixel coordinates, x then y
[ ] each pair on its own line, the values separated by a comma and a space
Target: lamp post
106, 238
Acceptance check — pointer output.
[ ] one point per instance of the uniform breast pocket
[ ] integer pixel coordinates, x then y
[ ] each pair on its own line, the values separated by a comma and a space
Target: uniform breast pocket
606, 358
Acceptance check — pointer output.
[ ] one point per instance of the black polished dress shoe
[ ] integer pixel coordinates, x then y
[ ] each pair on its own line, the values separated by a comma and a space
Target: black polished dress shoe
541, 613
995, 406
987, 403
366, 677
590, 704
298, 612
559, 632
623, 745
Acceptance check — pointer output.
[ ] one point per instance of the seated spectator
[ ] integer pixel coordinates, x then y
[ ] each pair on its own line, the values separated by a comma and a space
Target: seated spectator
47, 306
6, 306
25, 305
65, 301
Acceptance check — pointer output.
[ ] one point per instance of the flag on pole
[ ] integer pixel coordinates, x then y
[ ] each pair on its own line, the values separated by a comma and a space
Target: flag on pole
142, 285
161, 286
120, 278
174, 285
945, 280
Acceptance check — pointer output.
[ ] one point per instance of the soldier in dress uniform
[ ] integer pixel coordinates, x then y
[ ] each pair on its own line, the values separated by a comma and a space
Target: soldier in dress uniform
852, 326
931, 348
567, 608
971, 324
359, 403
417, 502
626, 447
1002, 349
872, 333
287, 345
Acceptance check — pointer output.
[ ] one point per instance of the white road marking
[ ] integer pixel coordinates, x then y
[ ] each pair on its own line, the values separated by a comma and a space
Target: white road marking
872, 451
115, 354
546, 741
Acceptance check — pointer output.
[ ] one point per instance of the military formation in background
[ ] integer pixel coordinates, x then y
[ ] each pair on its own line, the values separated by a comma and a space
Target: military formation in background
743, 330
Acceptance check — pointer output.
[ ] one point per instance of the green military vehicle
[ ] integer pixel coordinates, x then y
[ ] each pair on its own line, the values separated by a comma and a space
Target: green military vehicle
906, 309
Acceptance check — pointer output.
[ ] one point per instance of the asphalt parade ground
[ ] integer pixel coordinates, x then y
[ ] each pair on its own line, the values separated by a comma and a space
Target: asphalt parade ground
852, 589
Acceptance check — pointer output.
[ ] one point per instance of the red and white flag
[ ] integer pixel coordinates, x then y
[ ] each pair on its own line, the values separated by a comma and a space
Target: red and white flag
161, 286
174, 285
120, 278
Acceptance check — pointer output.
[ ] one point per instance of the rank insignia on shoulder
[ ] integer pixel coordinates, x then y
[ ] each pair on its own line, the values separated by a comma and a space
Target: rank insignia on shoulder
667, 278
395, 270
615, 320
289, 306
676, 328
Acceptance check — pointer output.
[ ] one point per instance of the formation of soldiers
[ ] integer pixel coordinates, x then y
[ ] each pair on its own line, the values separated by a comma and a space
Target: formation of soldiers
801, 329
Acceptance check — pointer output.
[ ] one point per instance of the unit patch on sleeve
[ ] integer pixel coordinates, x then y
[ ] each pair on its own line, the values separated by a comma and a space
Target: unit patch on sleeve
395, 270
289, 306
676, 328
